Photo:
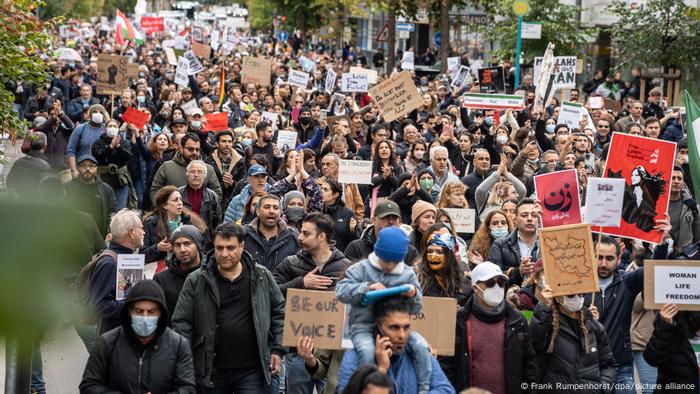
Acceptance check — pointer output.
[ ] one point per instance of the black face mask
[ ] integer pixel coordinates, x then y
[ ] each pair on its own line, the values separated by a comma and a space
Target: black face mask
305, 120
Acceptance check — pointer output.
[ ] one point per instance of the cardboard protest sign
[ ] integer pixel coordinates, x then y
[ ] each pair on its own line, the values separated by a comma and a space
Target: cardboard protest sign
351, 82
565, 74
216, 122
464, 219
298, 78
558, 192
286, 139
170, 56
570, 114
181, 72
569, 261
152, 24
372, 75
436, 322
195, 65
492, 80
408, 61
317, 314
330, 81
129, 272
113, 74
646, 165
256, 70
396, 96
453, 64
355, 171
135, 117
202, 51
493, 101
604, 201
672, 282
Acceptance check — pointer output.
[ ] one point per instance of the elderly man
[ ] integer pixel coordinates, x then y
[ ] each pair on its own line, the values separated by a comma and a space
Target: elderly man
440, 166
200, 199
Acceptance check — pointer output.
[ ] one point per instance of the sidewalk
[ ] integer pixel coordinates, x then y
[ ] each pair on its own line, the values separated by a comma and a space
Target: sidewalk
12, 153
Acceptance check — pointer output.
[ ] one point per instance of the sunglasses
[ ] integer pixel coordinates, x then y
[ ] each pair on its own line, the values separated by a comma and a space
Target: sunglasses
493, 281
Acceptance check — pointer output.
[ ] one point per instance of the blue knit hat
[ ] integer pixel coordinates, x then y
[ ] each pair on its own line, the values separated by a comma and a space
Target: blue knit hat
391, 245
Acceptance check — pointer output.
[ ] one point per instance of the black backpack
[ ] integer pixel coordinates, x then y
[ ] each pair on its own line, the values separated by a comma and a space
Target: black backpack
81, 287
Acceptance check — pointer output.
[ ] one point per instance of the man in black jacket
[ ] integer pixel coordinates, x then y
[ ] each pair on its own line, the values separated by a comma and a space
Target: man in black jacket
482, 170
268, 239
28, 171
142, 355
516, 252
186, 257
91, 195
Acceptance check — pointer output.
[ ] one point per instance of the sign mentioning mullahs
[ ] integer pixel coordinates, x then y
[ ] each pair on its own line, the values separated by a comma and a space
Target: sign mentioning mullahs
565, 74
256, 70
396, 96
355, 171
316, 314
672, 282
354, 83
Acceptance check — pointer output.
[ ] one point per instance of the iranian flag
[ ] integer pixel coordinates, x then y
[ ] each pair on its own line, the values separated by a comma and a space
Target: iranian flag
693, 130
126, 30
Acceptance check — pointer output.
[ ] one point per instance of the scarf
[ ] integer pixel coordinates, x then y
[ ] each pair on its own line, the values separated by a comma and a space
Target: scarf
488, 316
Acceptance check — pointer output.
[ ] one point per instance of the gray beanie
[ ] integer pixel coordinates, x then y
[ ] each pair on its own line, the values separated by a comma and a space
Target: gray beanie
292, 195
188, 231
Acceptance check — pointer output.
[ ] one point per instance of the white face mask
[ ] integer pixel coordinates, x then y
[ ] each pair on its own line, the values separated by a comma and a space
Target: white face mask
97, 118
493, 296
502, 139
572, 304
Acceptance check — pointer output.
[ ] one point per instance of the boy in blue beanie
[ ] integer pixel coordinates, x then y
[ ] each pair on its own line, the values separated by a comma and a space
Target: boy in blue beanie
383, 269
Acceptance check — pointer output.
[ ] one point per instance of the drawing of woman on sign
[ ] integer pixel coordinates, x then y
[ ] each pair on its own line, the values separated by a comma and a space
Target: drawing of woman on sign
639, 205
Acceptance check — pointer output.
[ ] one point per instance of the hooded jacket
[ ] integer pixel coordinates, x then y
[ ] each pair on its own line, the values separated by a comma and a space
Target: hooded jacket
360, 249
120, 362
291, 271
174, 172
172, 279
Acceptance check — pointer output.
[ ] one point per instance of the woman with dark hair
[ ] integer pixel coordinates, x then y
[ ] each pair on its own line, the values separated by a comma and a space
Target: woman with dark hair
163, 118
167, 215
345, 228
639, 206
250, 207
385, 174
368, 380
439, 273
288, 161
378, 133
495, 225
416, 158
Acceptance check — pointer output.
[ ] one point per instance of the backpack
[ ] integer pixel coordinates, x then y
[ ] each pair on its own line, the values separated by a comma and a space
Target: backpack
81, 287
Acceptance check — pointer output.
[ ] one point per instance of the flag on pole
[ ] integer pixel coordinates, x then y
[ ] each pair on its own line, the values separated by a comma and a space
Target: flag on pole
126, 30
693, 128
222, 85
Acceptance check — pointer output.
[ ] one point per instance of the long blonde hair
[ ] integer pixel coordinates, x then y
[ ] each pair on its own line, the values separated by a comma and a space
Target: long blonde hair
498, 193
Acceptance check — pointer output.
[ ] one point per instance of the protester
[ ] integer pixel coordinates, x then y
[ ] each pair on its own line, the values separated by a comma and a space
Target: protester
91, 195
439, 273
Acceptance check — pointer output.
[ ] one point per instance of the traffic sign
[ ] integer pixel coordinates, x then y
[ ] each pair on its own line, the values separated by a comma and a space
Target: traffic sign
283, 36
532, 30
383, 34
521, 7
404, 26
437, 38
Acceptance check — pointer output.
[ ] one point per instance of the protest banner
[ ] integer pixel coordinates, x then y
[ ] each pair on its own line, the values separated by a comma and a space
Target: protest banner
646, 165
306, 64
464, 219
286, 139
604, 201
351, 82
113, 74
461, 77
216, 122
568, 257
129, 272
170, 55
316, 314
596, 102
330, 81
195, 65
298, 78
152, 24
672, 282
396, 96
202, 51
558, 192
493, 101
453, 64
436, 322
355, 171
570, 114
181, 72
408, 61
256, 70
135, 117
492, 80
565, 74
372, 75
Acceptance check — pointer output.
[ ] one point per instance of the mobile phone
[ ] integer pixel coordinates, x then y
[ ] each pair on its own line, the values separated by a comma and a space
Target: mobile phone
378, 330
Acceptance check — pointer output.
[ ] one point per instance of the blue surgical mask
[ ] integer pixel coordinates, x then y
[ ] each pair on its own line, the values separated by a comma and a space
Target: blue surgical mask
246, 142
141, 99
489, 120
550, 128
144, 326
196, 124
499, 232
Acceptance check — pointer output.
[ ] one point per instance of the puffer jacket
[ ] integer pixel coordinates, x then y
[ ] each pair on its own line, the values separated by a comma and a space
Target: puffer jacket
569, 363
197, 311
291, 271
286, 244
341, 215
121, 363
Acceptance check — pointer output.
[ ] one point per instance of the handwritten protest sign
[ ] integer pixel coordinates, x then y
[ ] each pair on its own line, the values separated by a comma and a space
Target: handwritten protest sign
604, 198
436, 322
286, 139
354, 82
256, 70
396, 96
113, 73
330, 81
570, 266
195, 65
317, 314
298, 78
189, 106
181, 72
135, 117
646, 165
558, 192
672, 282
170, 55
565, 74
463, 218
129, 272
493, 101
408, 62
202, 51
570, 114
355, 171
372, 75
492, 80
216, 122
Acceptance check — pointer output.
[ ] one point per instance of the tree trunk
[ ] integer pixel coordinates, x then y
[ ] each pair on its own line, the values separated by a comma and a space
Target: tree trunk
445, 32
391, 21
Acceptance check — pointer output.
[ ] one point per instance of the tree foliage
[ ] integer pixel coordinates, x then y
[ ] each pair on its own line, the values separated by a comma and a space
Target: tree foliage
662, 33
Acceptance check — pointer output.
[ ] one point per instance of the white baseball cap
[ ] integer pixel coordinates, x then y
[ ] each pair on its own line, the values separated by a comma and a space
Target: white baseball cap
485, 271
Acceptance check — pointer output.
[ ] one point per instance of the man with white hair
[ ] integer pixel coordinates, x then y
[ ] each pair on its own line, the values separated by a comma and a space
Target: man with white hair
440, 167
200, 199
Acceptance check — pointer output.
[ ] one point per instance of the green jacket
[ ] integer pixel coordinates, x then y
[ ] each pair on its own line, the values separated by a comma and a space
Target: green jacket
197, 310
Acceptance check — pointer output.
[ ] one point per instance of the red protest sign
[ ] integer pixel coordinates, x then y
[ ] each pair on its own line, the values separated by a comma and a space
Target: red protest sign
646, 165
558, 194
135, 117
152, 24
216, 122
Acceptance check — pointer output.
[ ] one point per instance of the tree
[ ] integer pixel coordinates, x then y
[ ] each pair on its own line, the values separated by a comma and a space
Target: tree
560, 25
663, 33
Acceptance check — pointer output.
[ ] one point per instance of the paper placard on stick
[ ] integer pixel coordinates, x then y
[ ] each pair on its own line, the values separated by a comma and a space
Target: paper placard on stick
298, 78
170, 55
453, 64
330, 81
596, 102
565, 74
286, 139
570, 114
256, 70
464, 219
270, 117
129, 272
202, 51
135, 117
317, 314
604, 201
672, 282
408, 61
436, 323
372, 75
396, 96
189, 106
355, 171
558, 192
569, 261
462, 77
113, 73
351, 82
493, 101
195, 65
181, 72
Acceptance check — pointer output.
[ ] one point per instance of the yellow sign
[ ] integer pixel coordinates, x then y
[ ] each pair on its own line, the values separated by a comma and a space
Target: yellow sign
521, 7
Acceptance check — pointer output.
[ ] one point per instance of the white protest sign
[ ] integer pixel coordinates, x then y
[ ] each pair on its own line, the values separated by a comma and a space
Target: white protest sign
355, 171
270, 117
408, 62
604, 198
215, 40
306, 64
286, 139
354, 82
565, 74
452, 63
330, 81
570, 114
463, 218
672, 282
195, 65
372, 75
596, 102
531, 31
189, 106
298, 78
170, 55
129, 272
181, 72
461, 77
493, 101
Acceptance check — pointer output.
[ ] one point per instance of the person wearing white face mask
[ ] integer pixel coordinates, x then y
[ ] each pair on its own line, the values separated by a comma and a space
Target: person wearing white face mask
113, 154
84, 135
493, 348
572, 346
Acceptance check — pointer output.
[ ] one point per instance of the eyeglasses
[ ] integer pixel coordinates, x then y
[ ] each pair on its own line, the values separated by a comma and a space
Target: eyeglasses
87, 166
493, 281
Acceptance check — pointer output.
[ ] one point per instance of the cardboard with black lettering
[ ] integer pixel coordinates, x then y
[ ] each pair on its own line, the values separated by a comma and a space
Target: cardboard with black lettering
396, 96
672, 282
113, 73
317, 314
